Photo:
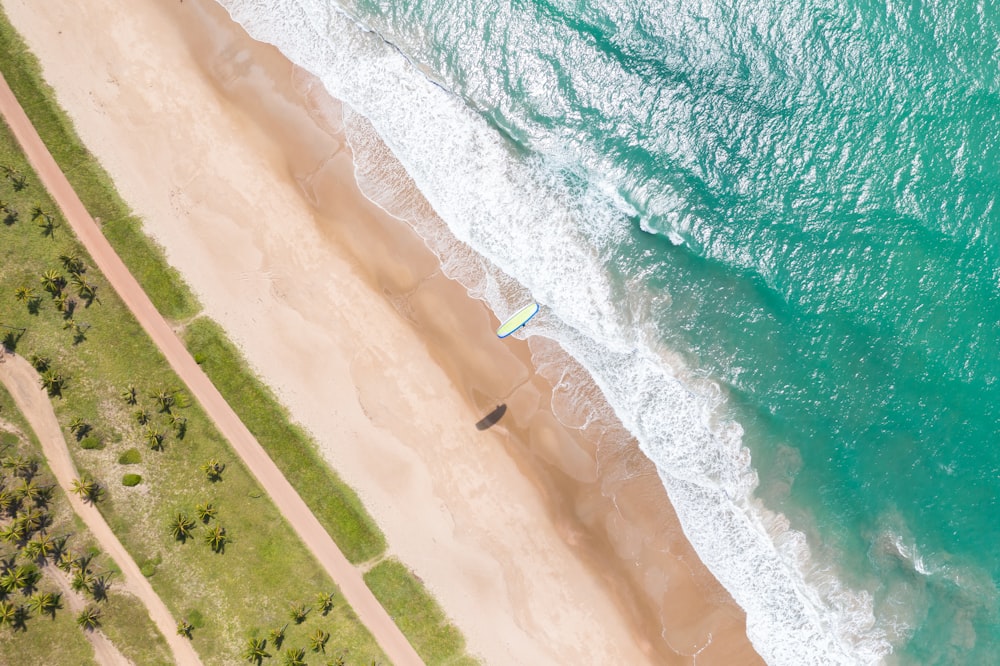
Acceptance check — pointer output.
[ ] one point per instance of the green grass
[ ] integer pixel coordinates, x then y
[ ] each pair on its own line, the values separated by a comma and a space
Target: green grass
264, 565
335, 505
47, 642
124, 230
57, 640
141, 644
418, 615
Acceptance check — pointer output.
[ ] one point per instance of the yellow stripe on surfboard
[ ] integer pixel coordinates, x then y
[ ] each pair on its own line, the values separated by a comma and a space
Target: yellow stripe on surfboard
517, 320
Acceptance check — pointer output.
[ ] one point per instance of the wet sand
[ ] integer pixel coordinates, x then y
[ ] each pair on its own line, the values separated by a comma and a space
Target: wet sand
544, 543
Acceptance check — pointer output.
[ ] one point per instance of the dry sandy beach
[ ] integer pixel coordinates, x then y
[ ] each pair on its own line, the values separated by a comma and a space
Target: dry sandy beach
544, 544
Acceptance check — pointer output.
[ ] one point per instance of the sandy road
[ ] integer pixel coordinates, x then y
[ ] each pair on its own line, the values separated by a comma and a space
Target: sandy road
293, 508
23, 384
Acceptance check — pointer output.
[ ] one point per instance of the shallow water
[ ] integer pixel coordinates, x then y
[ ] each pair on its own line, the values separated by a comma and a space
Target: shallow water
768, 229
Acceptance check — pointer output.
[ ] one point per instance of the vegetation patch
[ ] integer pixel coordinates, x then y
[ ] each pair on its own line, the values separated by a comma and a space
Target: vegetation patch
131, 480
334, 503
130, 457
144, 258
42, 540
91, 442
418, 615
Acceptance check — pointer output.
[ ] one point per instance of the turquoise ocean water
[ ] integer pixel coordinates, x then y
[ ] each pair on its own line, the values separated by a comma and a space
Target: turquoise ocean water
769, 230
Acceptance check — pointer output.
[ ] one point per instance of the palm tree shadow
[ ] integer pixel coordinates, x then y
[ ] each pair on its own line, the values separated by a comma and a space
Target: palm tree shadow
491, 419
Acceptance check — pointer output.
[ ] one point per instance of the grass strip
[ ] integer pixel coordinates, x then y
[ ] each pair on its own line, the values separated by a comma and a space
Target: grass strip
144, 258
417, 614
333, 502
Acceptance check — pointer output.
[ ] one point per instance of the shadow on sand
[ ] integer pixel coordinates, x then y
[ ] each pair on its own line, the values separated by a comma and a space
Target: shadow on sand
491, 418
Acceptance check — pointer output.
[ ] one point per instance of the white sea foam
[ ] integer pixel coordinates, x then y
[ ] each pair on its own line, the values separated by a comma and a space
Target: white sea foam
521, 222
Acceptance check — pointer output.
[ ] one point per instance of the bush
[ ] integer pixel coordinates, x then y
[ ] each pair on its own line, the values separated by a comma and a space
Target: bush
130, 457
91, 442
131, 480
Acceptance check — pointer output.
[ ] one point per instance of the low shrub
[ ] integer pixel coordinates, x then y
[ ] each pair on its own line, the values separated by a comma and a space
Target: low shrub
131, 480
91, 442
130, 457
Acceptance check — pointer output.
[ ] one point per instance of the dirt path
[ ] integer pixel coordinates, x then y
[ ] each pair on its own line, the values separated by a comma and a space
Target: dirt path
23, 383
104, 650
295, 511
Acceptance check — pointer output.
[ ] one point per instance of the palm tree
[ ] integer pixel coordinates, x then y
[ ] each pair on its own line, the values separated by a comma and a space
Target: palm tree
277, 636
65, 304
44, 219
294, 657
89, 618
7, 614
9, 501
43, 495
17, 179
46, 603
24, 294
82, 563
86, 290
141, 416
78, 427
28, 490
13, 533
72, 262
179, 424
10, 581
154, 438
325, 602
82, 580
21, 577
20, 466
53, 382
318, 640
40, 547
205, 512
88, 489
213, 470
165, 400
216, 539
40, 363
33, 519
128, 394
184, 628
53, 281
181, 527
298, 613
37, 212
255, 651
10, 214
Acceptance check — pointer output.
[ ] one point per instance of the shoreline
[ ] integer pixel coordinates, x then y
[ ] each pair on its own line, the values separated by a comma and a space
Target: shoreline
438, 488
